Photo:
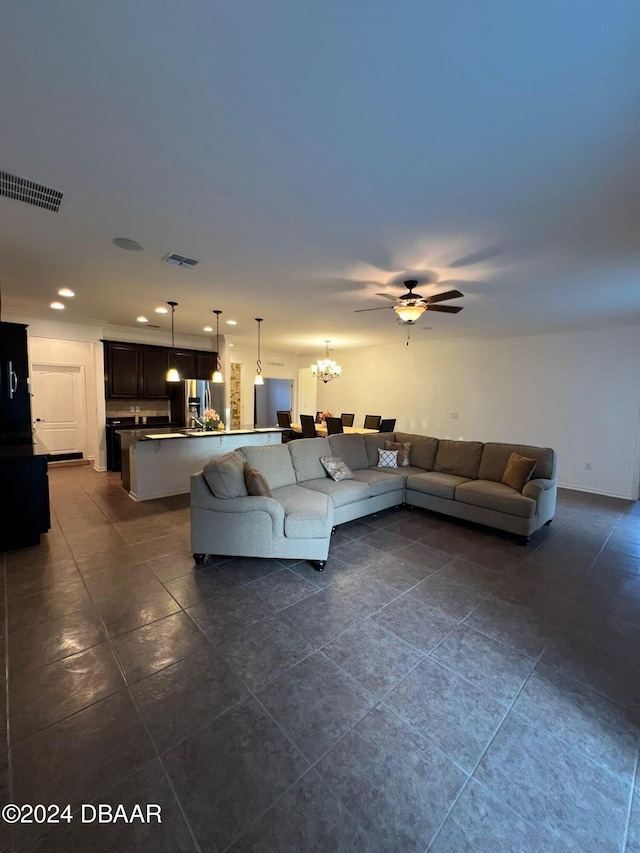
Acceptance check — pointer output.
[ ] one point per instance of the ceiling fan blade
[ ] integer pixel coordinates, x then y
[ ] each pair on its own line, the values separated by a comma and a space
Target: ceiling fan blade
381, 308
445, 309
386, 296
442, 297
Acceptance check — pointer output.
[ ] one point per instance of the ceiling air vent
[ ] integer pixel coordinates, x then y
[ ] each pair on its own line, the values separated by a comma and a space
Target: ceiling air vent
23, 190
180, 261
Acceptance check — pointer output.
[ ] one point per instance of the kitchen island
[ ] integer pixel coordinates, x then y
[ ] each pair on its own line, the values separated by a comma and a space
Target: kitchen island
159, 462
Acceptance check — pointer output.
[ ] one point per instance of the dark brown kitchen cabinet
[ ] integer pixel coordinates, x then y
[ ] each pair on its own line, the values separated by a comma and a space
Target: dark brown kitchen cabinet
186, 363
155, 364
205, 365
123, 367
139, 371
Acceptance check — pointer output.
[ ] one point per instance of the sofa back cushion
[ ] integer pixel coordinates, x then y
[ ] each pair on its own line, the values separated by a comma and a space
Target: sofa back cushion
352, 449
375, 442
225, 476
274, 461
305, 455
461, 458
423, 449
495, 456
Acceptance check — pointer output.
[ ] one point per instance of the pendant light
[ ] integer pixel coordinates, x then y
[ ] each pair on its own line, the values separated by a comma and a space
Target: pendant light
217, 373
172, 373
258, 378
325, 368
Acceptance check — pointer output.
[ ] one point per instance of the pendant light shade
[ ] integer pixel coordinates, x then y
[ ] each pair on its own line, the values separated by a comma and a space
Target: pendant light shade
172, 373
217, 373
258, 377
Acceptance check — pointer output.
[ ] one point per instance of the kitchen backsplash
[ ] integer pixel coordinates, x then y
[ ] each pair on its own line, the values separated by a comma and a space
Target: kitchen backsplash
123, 408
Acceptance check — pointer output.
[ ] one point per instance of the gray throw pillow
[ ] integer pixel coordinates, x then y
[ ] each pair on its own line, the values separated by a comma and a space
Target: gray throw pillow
225, 476
336, 468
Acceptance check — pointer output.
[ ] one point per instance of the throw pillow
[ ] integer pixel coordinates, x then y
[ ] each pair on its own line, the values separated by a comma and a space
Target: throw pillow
518, 471
225, 476
256, 483
387, 458
336, 468
403, 448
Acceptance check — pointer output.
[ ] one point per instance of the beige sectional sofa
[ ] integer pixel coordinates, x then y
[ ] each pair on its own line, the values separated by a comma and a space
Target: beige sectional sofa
456, 478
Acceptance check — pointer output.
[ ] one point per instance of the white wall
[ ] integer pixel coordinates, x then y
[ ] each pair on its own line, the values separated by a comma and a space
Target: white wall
578, 392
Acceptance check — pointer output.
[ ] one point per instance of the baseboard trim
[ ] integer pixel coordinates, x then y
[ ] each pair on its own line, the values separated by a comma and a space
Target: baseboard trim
596, 492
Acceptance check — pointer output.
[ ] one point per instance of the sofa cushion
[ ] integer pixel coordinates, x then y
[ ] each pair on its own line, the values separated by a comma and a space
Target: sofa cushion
381, 480
423, 449
495, 456
518, 471
497, 496
404, 450
305, 455
459, 457
341, 493
256, 482
307, 514
225, 476
351, 448
387, 458
436, 483
336, 468
274, 461
373, 442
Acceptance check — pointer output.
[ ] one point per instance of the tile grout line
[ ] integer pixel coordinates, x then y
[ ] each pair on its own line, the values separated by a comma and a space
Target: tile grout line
634, 793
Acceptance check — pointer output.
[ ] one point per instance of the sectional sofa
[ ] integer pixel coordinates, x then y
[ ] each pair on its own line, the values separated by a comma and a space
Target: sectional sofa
456, 478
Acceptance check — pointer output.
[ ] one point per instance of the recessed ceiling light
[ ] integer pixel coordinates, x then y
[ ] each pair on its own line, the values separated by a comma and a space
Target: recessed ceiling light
232, 322
207, 329
162, 310
142, 319
66, 291
231, 345
57, 305
126, 243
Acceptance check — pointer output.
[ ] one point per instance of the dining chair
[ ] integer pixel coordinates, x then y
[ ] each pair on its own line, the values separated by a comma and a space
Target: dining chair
308, 425
347, 420
284, 418
387, 425
334, 426
318, 417
372, 421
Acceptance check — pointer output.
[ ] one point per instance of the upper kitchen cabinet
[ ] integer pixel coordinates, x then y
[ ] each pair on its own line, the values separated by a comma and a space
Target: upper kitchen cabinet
186, 363
139, 371
205, 365
123, 370
155, 364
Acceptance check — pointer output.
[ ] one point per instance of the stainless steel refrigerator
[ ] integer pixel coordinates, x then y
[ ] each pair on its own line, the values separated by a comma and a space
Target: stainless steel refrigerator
200, 395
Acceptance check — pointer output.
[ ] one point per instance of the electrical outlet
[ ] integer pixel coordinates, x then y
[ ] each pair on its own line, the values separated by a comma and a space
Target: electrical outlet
132, 408
137, 408
453, 415
588, 466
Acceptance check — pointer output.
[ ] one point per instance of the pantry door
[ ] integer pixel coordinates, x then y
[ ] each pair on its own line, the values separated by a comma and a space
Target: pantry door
58, 407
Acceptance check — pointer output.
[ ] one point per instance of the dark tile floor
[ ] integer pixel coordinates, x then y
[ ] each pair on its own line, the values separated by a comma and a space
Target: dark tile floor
438, 687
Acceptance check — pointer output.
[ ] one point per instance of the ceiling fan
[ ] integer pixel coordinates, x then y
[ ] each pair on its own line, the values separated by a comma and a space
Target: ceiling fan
410, 306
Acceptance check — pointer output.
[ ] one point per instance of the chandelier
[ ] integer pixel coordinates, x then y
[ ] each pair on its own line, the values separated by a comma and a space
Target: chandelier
326, 369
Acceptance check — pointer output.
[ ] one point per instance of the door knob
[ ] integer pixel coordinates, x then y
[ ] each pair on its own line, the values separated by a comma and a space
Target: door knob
39, 420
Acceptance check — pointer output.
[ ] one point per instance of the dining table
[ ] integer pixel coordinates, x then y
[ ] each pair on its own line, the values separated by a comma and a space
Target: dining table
321, 429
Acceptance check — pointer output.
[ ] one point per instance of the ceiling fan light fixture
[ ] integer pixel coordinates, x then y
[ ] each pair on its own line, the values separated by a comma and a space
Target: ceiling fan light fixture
410, 313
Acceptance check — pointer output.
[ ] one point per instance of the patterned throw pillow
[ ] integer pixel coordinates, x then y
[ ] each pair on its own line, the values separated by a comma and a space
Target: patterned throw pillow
403, 448
256, 482
387, 458
336, 468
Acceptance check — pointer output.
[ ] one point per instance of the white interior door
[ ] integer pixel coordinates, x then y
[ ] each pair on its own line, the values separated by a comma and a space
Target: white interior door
58, 407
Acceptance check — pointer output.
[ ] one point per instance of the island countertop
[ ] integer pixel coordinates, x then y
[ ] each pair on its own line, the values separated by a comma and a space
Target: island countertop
150, 433
156, 465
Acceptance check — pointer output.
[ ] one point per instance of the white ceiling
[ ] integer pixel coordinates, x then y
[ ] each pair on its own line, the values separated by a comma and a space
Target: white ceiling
311, 154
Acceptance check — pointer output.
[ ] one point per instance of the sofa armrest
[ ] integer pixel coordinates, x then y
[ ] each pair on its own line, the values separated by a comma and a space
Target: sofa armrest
534, 488
202, 498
